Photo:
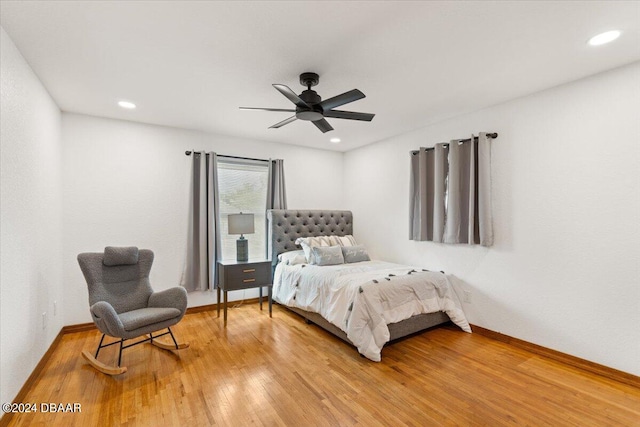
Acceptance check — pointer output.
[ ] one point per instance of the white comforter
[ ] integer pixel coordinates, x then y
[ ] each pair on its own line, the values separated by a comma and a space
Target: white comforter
363, 298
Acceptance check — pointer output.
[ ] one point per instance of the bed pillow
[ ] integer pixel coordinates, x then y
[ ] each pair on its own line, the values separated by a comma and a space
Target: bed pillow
355, 254
292, 258
327, 255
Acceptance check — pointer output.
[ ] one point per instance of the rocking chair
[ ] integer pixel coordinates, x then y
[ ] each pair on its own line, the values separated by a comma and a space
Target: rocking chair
124, 306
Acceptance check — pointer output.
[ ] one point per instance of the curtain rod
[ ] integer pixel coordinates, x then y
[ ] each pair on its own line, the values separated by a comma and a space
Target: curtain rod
493, 135
188, 153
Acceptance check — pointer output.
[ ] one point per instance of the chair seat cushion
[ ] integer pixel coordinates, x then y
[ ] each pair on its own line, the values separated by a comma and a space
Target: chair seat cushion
142, 317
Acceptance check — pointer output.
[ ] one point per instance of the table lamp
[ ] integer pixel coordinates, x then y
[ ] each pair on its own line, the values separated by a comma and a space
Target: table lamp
241, 224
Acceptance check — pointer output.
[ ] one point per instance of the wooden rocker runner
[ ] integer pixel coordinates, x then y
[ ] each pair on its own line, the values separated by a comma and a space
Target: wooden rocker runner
123, 304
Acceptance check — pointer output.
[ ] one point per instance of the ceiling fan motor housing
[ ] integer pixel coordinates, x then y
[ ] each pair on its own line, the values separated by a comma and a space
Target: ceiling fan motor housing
312, 98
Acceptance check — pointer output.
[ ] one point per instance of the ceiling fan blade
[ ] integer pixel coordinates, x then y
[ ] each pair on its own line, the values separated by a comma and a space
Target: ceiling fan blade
284, 122
337, 114
286, 91
323, 125
345, 98
268, 109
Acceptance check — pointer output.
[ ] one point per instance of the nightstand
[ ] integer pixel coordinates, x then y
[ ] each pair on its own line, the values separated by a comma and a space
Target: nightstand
236, 275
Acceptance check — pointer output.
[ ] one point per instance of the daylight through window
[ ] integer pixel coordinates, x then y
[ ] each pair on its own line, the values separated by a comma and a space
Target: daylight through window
242, 186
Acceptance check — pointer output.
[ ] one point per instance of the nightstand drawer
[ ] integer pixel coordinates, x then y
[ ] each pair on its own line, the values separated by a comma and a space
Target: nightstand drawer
260, 272
242, 276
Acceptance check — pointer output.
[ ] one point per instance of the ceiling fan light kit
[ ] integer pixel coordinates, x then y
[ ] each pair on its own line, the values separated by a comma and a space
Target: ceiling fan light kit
310, 106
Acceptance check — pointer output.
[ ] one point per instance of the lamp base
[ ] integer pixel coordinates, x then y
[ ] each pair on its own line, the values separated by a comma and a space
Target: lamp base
242, 249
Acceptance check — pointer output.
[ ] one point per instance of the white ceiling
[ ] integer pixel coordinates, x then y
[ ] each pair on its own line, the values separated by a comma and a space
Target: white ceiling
192, 64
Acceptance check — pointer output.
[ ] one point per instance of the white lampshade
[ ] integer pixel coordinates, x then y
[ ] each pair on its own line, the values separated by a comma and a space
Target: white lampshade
240, 223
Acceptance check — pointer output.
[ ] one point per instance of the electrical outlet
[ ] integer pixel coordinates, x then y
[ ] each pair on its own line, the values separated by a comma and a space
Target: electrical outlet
44, 320
467, 297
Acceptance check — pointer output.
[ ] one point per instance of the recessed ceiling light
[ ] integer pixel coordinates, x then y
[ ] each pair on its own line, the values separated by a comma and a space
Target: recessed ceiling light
603, 38
126, 104
335, 140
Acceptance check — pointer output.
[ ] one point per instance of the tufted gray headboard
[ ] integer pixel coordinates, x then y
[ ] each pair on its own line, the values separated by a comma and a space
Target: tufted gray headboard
286, 225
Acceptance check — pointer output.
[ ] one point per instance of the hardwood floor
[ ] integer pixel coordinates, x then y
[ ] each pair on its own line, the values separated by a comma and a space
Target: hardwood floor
281, 371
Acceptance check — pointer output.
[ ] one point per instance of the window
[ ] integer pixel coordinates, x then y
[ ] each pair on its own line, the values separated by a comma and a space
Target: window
242, 186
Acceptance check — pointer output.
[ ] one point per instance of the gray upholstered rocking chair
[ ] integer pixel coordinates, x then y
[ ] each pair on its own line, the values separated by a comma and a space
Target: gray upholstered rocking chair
124, 306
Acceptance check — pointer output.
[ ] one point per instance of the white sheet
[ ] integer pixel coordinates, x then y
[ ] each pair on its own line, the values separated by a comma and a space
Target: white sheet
348, 296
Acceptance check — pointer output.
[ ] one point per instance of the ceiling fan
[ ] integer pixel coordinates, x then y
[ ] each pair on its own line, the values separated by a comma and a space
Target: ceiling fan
311, 107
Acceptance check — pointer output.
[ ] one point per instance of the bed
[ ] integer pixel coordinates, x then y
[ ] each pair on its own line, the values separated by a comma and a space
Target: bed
365, 303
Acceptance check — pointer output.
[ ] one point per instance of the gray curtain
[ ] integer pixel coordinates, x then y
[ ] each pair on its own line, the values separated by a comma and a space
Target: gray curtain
483, 174
418, 212
276, 194
451, 193
204, 246
440, 171
428, 193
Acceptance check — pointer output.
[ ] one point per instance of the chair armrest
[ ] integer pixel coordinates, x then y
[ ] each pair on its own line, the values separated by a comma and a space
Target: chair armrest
169, 298
106, 319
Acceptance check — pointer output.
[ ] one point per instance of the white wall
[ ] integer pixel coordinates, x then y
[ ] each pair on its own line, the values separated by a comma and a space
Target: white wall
30, 222
564, 270
127, 183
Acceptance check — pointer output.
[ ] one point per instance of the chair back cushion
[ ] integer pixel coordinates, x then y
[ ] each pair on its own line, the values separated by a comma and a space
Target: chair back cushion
125, 286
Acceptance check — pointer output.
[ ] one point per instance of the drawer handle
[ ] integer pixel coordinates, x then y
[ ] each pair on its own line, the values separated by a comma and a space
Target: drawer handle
249, 270
248, 280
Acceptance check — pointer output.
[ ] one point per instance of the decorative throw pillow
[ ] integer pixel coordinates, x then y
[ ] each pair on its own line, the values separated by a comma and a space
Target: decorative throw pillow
355, 254
308, 243
306, 248
347, 240
327, 255
334, 240
115, 255
292, 258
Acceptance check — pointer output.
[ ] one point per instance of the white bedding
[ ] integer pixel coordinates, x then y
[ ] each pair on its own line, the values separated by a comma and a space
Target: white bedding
363, 298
